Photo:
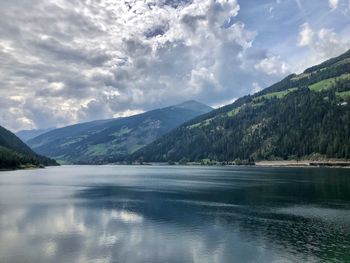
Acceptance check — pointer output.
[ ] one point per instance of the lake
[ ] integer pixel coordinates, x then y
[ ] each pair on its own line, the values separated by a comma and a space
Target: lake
175, 214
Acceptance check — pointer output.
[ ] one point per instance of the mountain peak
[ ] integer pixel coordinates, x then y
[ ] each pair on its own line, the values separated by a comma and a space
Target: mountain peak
111, 140
284, 121
194, 105
26, 135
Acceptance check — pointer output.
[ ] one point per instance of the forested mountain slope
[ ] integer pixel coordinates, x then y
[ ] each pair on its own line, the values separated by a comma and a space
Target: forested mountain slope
302, 115
16, 154
111, 140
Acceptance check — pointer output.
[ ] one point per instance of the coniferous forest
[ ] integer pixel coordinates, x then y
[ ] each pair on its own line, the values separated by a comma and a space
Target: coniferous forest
15, 154
299, 117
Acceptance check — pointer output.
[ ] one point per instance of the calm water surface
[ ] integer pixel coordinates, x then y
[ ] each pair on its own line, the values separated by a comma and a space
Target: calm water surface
175, 214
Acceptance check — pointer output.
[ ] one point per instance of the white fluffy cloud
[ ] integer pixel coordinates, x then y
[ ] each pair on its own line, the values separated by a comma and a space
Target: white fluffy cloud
333, 4
306, 35
342, 5
272, 66
69, 61
323, 43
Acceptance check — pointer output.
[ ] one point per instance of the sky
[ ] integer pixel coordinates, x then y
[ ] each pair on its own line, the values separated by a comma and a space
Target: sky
69, 61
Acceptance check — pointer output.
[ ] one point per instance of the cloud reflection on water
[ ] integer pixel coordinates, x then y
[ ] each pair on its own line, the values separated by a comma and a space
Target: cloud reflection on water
82, 233
135, 215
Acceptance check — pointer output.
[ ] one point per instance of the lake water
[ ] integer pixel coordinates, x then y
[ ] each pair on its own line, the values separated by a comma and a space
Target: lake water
175, 214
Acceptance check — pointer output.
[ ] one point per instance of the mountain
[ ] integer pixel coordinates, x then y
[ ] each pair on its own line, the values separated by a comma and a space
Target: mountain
16, 154
26, 135
111, 140
302, 116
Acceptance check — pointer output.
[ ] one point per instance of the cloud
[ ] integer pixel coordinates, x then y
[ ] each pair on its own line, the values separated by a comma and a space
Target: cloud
323, 43
306, 35
272, 66
256, 87
72, 61
333, 4
299, 4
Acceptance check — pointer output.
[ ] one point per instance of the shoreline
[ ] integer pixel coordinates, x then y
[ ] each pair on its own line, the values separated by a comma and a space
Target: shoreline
22, 168
283, 163
260, 164
277, 164
305, 163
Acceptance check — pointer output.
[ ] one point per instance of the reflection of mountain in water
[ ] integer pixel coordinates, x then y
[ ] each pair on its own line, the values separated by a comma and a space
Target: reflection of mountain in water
250, 212
180, 214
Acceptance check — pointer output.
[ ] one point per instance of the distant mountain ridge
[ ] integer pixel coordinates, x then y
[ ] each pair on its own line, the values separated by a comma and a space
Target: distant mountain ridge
302, 116
26, 135
16, 154
112, 140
